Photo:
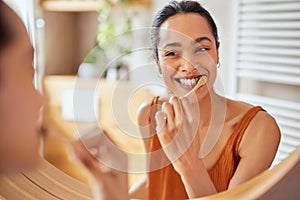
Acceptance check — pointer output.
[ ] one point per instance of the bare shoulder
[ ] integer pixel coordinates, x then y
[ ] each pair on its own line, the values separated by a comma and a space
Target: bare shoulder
265, 123
263, 128
235, 111
262, 134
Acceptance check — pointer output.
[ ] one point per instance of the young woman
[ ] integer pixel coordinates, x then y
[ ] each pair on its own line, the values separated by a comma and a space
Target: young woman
20, 103
231, 141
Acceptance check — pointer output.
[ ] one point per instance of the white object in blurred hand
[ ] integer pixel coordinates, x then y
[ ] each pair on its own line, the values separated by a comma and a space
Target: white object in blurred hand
112, 74
80, 105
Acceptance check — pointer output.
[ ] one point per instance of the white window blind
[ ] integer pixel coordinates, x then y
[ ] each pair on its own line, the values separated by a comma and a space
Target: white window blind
266, 63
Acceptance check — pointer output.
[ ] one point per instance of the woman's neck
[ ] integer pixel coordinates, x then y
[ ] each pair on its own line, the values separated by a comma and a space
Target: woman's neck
212, 109
211, 121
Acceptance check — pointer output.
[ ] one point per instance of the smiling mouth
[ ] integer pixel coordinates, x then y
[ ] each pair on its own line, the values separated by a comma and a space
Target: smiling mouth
189, 82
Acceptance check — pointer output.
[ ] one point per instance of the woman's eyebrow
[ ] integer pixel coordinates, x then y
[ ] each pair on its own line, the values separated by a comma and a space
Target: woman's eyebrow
195, 41
172, 44
200, 39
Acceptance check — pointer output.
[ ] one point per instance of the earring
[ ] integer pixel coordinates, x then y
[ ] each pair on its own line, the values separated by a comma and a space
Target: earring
218, 65
159, 75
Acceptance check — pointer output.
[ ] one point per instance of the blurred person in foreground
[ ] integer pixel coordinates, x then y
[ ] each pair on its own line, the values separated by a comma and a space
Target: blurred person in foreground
20, 102
20, 106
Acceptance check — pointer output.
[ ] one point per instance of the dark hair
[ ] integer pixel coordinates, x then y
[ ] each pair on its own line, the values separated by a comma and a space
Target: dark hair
5, 30
174, 8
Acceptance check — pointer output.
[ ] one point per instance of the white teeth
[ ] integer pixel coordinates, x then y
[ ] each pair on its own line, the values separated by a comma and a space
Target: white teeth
189, 82
193, 81
185, 82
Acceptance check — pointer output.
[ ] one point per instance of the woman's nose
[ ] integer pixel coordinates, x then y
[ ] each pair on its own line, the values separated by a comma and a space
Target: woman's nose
186, 66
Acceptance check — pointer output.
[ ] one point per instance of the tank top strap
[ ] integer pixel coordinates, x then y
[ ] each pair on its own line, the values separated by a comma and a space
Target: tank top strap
242, 125
154, 142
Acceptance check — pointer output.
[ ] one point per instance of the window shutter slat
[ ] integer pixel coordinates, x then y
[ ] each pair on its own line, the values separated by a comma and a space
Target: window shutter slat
265, 1
270, 59
271, 16
267, 25
278, 7
270, 68
265, 50
270, 33
270, 77
269, 42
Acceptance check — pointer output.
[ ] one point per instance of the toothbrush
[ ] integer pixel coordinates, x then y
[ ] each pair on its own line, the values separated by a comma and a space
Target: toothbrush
201, 82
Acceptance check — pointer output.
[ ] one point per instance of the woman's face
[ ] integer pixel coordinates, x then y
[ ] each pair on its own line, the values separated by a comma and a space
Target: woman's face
186, 51
20, 103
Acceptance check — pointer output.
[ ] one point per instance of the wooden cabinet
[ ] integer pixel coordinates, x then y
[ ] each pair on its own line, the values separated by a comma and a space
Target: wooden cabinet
70, 34
72, 6
84, 5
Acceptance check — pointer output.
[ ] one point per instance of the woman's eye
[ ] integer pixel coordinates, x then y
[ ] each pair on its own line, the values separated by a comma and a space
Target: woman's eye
201, 49
170, 53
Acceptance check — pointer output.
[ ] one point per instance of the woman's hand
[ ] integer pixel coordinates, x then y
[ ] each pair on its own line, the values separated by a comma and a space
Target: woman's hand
110, 183
177, 129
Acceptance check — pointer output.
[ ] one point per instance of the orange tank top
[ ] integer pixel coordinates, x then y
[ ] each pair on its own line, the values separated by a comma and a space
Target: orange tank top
166, 183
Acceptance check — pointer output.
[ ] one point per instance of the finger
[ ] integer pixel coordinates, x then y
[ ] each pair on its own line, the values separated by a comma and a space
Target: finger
186, 107
167, 108
92, 137
160, 118
177, 110
89, 161
83, 154
163, 133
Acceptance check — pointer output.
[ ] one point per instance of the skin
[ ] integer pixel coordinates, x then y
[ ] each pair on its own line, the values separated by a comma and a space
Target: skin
182, 57
20, 102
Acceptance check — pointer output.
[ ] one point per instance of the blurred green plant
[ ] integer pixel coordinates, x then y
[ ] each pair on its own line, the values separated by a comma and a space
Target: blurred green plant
111, 42
106, 34
107, 28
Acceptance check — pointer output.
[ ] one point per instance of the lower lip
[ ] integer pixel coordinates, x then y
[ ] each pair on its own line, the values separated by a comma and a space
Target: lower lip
187, 87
